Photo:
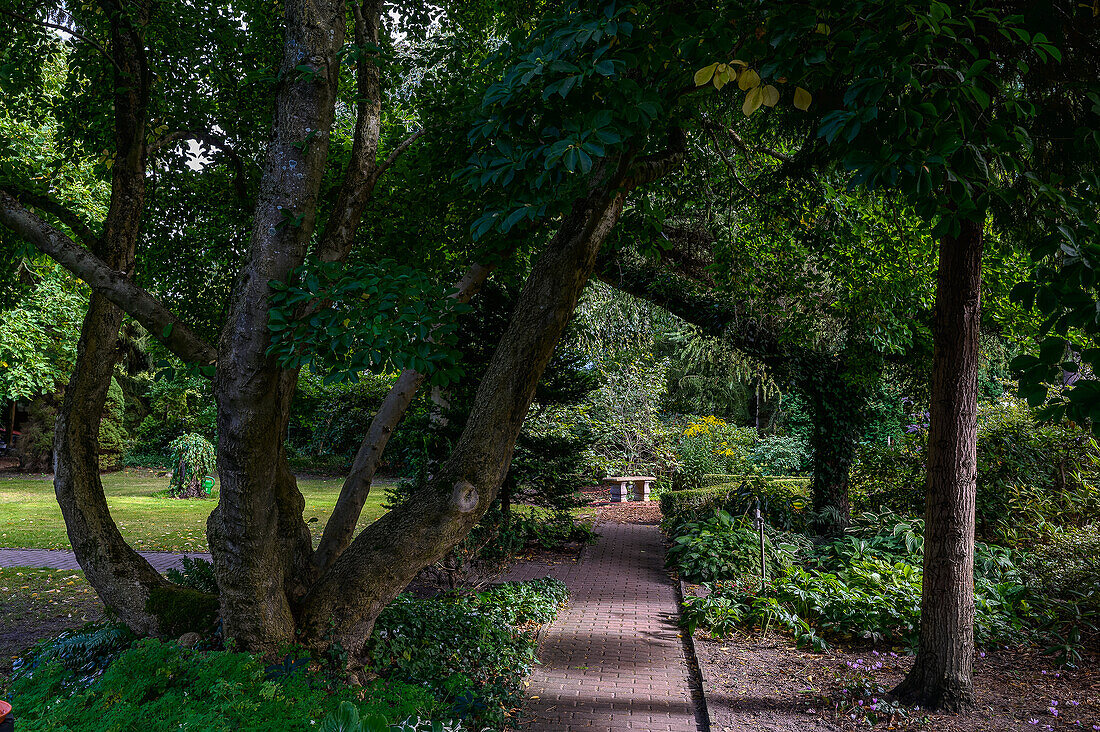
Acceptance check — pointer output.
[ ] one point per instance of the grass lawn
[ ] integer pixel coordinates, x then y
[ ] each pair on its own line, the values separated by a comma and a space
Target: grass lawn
36, 596
30, 518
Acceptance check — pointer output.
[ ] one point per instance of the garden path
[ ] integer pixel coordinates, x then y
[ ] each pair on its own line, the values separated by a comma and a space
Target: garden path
614, 659
61, 559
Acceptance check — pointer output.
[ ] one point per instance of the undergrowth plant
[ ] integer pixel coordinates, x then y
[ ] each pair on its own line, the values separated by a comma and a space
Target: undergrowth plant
454, 663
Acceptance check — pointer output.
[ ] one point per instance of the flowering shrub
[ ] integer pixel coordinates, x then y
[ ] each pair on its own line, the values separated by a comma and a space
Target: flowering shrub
710, 445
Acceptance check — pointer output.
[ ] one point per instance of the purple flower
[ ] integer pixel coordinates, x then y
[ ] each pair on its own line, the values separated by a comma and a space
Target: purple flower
1033, 721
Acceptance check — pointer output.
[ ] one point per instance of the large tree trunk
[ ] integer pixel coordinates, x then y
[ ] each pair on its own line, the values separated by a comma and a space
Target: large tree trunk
388, 554
260, 543
123, 579
941, 674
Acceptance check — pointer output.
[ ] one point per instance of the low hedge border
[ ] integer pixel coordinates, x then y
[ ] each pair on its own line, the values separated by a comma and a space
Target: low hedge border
784, 501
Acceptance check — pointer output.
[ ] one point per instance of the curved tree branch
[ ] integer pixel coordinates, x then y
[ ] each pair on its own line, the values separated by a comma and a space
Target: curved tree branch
658, 165
349, 506
82, 229
214, 140
384, 557
114, 285
68, 31
396, 152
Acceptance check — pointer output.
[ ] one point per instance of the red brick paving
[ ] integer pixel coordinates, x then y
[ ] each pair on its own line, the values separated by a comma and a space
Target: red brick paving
614, 659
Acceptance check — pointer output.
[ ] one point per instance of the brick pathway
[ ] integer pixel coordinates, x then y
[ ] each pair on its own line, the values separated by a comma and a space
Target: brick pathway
614, 659
59, 559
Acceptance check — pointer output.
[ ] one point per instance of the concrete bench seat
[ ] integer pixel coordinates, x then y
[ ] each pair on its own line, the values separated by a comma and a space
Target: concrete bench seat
623, 486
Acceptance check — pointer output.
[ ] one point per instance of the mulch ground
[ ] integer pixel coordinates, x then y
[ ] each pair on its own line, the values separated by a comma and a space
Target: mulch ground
766, 684
627, 512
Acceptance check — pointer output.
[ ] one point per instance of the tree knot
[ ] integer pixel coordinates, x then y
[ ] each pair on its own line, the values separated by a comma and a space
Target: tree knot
464, 497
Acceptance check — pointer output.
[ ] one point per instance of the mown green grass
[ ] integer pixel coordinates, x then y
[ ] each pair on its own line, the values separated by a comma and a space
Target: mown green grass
30, 517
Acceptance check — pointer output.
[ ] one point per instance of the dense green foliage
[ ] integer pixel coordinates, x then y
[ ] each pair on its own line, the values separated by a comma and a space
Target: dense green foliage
782, 500
866, 585
188, 689
457, 657
196, 574
719, 547
473, 651
38, 334
1033, 477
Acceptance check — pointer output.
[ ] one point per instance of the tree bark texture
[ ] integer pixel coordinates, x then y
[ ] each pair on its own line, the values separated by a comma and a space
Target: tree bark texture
260, 543
363, 170
941, 673
122, 578
388, 553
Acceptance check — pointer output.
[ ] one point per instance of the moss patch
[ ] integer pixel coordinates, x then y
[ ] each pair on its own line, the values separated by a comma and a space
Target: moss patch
181, 610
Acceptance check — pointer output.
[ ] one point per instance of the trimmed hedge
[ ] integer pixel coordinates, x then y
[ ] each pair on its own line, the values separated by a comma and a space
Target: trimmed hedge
784, 501
793, 482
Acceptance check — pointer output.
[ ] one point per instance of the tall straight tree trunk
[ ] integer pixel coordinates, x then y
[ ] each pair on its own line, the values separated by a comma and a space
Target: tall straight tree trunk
941, 677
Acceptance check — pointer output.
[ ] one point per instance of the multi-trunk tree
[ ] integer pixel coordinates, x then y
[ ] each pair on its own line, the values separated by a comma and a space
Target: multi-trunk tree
565, 135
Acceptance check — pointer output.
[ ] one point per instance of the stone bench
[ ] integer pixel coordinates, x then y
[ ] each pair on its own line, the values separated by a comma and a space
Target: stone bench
622, 487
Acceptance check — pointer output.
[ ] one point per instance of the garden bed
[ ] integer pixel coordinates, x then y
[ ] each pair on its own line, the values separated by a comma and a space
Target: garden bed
459, 660
753, 683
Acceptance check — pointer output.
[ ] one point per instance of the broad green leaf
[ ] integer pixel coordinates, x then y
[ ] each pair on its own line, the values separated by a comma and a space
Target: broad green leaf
722, 76
771, 96
748, 79
753, 99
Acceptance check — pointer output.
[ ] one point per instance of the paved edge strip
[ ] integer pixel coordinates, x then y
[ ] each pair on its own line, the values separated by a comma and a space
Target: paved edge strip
698, 680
